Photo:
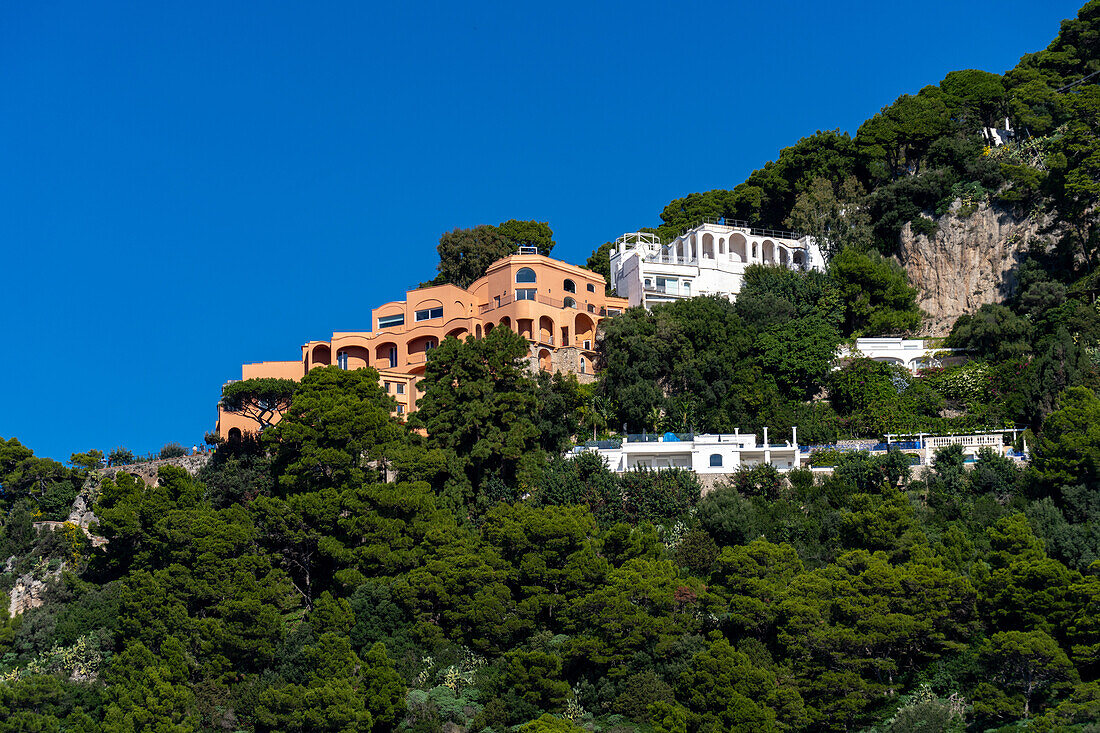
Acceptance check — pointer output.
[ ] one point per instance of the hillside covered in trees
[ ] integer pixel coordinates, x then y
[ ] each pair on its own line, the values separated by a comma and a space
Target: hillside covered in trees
347, 571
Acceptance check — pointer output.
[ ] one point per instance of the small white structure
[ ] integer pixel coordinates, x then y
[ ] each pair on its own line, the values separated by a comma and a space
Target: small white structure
925, 445
998, 136
703, 454
913, 354
709, 259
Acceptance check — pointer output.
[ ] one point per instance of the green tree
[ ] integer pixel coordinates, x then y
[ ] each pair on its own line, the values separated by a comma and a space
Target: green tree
975, 97
834, 218
91, 460
1028, 665
1068, 452
465, 254
535, 234
799, 355
262, 400
480, 403
552, 554
726, 690
533, 683
875, 293
993, 332
338, 424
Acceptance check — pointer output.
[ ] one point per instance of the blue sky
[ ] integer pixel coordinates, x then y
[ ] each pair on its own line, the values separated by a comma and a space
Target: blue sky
188, 186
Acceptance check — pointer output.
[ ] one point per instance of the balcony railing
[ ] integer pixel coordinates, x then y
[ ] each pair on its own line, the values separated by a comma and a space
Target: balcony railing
498, 302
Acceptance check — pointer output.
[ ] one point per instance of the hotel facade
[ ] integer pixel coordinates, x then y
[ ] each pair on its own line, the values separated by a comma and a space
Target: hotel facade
557, 307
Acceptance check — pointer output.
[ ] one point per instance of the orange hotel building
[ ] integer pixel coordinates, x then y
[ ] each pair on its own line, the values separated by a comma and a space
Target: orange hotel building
556, 306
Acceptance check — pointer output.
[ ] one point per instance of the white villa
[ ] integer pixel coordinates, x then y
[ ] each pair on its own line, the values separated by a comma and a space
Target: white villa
709, 259
703, 454
913, 354
710, 454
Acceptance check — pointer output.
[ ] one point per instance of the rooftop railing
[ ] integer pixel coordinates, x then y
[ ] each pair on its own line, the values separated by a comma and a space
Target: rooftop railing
739, 224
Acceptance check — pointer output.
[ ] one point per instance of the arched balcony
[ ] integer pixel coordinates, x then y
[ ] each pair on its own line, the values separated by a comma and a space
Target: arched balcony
355, 357
546, 330
738, 248
585, 331
385, 355
320, 356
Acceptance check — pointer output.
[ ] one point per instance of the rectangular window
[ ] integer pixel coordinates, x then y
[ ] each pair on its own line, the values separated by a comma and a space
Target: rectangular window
525, 294
391, 321
400, 409
591, 288
400, 388
429, 313
388, 385
393, 357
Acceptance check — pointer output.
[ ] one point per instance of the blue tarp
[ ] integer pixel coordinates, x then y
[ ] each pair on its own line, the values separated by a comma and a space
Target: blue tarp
671, 438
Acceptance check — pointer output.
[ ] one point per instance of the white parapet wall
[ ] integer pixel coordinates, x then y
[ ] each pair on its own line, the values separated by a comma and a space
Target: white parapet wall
709, 259
703, 453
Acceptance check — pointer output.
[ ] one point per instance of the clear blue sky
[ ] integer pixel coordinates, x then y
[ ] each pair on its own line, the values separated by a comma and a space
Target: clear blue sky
187, 186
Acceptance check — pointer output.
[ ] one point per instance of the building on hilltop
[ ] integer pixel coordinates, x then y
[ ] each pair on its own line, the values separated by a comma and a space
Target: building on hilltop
709, 259
557, 307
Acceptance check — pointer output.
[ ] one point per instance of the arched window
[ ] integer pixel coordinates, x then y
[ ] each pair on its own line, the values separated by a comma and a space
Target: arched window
569, 286
342, 360
525, 275
570, 303
584, 366
715, 459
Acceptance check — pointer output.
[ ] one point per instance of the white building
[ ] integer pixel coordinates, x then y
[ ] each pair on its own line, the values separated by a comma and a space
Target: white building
702, 454
709, 259
913, 354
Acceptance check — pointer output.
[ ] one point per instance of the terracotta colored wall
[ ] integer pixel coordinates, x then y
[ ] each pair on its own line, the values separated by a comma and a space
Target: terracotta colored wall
544, 321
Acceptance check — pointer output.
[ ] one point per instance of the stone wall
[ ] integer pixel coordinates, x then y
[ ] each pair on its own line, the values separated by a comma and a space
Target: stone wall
147, 471
565, 360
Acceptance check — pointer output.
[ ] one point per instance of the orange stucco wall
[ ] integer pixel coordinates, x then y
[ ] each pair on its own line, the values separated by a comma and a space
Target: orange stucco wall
561, 308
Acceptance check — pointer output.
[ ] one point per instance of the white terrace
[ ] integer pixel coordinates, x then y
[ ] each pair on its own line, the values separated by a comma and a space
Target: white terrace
708, 259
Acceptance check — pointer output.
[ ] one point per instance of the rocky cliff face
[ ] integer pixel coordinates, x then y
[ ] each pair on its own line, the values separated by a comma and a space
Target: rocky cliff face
28, 592
968, 262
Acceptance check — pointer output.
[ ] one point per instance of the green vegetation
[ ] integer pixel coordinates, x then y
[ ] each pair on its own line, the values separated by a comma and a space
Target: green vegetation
346, 571
289, 587
465, 254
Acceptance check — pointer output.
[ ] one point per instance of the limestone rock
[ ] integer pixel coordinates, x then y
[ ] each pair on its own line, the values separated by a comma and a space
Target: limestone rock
27, 593
968, 262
